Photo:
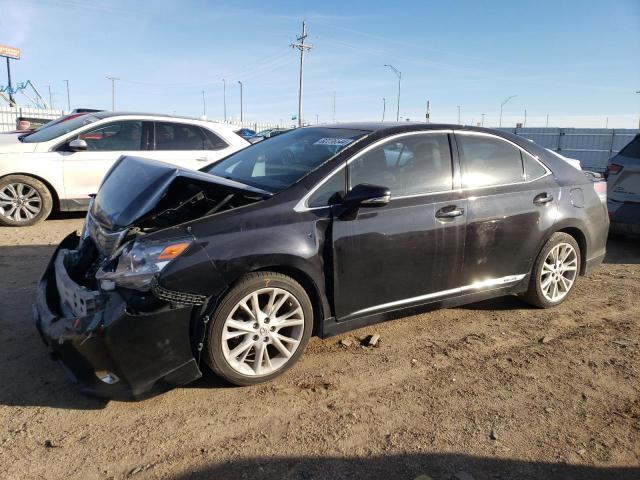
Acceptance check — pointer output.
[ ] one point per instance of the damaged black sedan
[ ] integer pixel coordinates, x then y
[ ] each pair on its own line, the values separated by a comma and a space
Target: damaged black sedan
315, 231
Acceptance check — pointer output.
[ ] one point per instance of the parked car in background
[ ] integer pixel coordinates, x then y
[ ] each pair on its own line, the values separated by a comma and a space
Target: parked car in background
15, 136
238, 264
60, 166
271, 132
623, 179
246, 133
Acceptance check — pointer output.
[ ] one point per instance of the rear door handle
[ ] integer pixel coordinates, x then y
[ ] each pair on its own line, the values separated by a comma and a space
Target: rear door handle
450, 211
202, 159
542, 198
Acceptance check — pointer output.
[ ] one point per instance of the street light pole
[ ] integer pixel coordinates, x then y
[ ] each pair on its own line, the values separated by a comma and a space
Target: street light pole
638, 91
399, 75
482, 121
224, 97
68, 97
113, 92
333, 118
502, 105
384, 107
204, 105
459, 115
240, 83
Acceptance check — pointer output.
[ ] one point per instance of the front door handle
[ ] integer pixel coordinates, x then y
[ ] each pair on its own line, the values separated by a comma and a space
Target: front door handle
202, 159
542, 199
450, 211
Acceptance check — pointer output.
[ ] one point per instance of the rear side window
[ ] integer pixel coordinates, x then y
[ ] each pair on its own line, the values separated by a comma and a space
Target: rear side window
179, 136
488, 161
532, 169
213, 141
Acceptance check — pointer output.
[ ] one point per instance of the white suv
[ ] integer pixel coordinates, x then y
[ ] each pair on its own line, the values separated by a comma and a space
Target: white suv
58, 167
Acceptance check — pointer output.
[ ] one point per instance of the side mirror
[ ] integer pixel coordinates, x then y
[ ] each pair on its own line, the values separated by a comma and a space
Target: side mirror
78, 145
367, 195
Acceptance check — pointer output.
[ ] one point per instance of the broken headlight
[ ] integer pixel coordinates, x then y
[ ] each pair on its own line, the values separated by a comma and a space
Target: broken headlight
139, 262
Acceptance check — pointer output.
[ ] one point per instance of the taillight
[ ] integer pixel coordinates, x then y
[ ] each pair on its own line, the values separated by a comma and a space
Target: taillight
612, 169
601, 190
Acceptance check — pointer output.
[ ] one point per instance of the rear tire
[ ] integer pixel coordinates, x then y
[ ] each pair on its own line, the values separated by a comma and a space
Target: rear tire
554, 272
260, 329
24, 201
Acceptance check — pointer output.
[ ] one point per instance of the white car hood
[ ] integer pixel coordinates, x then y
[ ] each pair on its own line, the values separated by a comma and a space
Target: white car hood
17, 147
7, 138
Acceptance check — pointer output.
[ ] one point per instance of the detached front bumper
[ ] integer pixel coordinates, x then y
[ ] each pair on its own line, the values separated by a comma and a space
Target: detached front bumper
114, 352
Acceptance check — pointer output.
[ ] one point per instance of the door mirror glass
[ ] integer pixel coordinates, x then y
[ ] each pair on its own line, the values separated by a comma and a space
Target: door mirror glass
368, 195
78, 145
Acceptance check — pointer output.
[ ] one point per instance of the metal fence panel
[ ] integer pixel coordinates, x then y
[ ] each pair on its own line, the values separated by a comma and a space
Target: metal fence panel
9, 116
592, 146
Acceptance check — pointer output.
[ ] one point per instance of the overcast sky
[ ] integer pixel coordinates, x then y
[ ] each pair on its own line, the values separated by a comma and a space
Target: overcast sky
578, 61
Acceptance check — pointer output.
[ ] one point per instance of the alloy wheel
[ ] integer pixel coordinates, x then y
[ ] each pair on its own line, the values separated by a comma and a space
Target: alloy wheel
19, 202
262, 332
559, 272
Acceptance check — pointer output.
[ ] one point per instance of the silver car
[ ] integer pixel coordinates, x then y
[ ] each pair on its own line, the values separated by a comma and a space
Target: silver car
623, 185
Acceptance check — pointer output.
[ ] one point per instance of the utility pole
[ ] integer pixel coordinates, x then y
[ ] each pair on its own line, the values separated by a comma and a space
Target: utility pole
502, 105
50, 98
606, 122
428, 114
524, 124
482, 121
316, 119
547, 124
384, 107
240, 83
113, 92
399, 75
224, 97
334, 107
459, 115
68, 97
204, 105
300, 45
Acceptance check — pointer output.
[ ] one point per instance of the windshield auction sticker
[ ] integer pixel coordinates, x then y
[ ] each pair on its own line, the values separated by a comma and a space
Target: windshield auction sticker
340, 142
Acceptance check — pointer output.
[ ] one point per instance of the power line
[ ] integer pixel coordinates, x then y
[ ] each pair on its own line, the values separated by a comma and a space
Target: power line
300, 45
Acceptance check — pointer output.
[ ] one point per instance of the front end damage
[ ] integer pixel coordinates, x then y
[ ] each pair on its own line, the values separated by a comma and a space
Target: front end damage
111, 349
124, 305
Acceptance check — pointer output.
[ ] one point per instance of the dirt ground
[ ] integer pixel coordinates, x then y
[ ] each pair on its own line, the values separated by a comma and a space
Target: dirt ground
493, 390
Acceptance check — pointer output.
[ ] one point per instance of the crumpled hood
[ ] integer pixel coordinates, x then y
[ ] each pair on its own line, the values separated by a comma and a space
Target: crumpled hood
135, 186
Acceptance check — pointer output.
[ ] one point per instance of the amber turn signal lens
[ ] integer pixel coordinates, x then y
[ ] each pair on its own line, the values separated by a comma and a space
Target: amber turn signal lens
172, 251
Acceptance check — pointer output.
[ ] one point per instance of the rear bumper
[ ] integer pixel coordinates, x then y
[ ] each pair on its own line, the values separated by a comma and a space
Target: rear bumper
115, 352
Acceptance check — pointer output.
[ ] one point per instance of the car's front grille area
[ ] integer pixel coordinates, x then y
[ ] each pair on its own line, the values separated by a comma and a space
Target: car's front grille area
176, 297
106, 242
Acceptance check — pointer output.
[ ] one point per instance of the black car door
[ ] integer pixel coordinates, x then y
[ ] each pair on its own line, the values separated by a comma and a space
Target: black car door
407, 251
511, 203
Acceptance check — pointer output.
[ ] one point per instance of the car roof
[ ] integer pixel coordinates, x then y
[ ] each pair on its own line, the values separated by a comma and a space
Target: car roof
105, 114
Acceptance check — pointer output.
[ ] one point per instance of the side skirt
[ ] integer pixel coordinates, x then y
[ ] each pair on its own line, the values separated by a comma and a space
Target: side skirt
332, 326
74, 204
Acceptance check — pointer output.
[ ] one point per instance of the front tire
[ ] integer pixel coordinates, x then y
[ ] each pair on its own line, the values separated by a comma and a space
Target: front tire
24, 201
555, 272
260, 329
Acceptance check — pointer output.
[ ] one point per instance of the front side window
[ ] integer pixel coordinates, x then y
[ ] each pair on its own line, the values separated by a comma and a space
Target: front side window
179, 136
488, 161
116, 136
409, 165
330, 192
278, 162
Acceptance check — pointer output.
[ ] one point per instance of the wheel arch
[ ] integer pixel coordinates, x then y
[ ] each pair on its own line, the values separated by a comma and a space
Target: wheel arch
575, 231
54, 194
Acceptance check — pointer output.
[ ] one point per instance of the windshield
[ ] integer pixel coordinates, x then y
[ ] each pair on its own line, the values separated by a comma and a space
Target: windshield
279, 162
58, 129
